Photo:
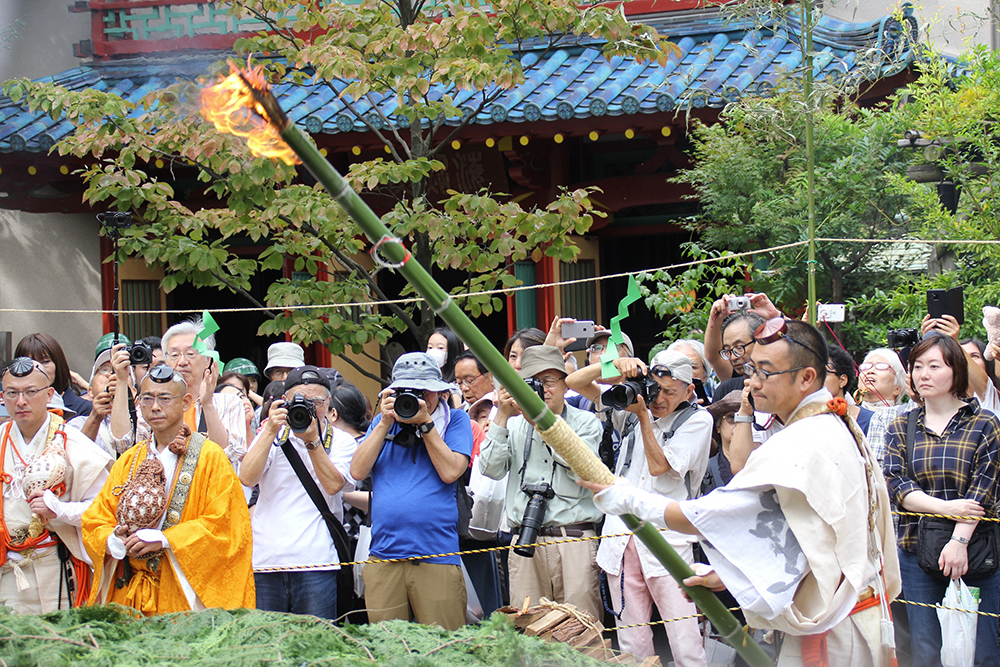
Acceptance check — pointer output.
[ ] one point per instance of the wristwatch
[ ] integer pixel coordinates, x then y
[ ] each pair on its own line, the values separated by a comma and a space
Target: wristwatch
313, 444
743, 419
425, 428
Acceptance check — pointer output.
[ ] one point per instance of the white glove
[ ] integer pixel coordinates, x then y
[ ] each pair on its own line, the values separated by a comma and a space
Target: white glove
623, 498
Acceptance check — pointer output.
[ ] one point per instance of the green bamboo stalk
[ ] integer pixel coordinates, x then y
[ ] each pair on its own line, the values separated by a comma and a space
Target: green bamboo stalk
442, 304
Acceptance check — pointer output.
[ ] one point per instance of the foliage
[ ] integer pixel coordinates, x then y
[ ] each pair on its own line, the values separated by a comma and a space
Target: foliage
376, 49
680, 303
110, 636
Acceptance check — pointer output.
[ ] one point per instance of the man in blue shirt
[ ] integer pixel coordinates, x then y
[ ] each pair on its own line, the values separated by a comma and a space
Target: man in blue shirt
416, 449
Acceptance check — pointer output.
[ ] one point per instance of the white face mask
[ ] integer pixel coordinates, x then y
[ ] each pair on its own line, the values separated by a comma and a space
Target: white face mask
440, 356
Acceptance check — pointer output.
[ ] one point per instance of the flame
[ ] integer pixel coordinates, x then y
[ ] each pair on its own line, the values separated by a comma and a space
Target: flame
232, 107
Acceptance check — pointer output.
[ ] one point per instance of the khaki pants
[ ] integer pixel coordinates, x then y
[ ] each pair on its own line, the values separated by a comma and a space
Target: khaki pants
565, 573
428, 593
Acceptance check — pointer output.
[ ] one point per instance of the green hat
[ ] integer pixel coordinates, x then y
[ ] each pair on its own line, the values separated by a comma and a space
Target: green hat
241, 365
107, 341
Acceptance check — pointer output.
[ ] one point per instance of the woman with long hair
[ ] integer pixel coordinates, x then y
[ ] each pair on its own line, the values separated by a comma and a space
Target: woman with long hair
47, 351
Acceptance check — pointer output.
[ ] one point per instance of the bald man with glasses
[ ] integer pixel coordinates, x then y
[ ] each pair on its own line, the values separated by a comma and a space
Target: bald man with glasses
50, 476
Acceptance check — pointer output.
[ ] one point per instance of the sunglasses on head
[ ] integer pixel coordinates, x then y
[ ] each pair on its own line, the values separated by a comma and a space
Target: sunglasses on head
161, 374
23, 366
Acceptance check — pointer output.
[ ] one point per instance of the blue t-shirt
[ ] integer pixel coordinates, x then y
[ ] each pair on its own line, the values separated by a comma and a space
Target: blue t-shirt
413, 512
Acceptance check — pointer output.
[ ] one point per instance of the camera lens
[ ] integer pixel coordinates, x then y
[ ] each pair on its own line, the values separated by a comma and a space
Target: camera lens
407, 405
300, 414
620, 396
140, 355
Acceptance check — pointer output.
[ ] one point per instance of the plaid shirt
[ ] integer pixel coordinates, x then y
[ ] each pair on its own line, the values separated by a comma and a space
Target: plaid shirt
959, 463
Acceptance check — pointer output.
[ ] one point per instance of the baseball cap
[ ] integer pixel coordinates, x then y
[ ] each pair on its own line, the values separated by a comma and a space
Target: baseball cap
241, 365
677, 364
601, 335
306, 375
106, 342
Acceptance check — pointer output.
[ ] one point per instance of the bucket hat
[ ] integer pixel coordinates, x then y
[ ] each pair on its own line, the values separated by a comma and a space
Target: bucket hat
417, 370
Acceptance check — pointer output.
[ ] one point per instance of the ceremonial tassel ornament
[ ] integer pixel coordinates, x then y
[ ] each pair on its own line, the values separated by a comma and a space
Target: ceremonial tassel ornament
246, 91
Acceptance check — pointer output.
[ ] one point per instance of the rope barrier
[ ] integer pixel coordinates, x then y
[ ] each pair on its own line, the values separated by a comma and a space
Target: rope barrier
506, 290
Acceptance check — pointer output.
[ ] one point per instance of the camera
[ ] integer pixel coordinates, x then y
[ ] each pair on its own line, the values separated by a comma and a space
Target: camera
301, 413
536, 386
140, 354
738, 303
620, 396
900, 338
407, 403
534, 517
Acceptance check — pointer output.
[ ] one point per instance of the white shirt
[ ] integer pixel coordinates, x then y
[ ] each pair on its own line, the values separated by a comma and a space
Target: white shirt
687, 452
991, 399
287, 528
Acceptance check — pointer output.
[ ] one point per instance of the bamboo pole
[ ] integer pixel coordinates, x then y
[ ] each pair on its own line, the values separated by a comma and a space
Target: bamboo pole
583, 462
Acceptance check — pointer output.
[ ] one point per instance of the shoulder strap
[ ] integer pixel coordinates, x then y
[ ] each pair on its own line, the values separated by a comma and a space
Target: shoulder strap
685, 415
911, 439
337, 532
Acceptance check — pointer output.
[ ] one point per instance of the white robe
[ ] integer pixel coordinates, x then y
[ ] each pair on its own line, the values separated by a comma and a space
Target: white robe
807, 538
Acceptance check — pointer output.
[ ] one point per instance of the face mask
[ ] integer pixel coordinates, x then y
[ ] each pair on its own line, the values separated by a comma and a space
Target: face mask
440, 356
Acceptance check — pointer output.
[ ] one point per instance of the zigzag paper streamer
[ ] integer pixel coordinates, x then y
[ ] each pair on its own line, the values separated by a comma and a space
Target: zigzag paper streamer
608, 369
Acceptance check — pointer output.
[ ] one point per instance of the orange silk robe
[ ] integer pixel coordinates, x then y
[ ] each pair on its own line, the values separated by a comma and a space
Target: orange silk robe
211, 543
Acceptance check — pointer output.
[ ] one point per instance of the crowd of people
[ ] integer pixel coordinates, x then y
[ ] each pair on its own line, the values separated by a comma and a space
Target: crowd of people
793, 479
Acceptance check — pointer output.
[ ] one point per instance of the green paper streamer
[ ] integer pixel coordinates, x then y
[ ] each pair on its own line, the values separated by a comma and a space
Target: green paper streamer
632, 295
209, 328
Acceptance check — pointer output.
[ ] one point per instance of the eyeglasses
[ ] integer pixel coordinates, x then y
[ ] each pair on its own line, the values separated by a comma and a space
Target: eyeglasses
878, 365
190, 354
734, 352
550, 382
831, 369
596, 347
762, 375
661, 372
12, 394
147, 400
467, 382
105, 371
730, 418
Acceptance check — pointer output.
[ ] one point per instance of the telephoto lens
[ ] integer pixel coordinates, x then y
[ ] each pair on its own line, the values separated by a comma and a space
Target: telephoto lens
407, 403
534, 515
301, 413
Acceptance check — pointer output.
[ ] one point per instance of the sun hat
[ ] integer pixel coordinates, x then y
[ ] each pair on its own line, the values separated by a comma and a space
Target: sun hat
285, 355
538, 358
417, 370
676, 363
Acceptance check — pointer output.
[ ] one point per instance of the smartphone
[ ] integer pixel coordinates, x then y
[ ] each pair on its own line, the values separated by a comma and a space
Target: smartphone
946, 302
581, 330
699, 391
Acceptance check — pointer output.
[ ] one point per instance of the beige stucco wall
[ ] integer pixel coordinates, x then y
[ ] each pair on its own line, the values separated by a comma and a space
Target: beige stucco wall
952, 26
51, 261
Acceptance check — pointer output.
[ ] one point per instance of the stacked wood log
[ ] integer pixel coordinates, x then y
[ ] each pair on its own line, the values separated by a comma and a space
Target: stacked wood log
576, 627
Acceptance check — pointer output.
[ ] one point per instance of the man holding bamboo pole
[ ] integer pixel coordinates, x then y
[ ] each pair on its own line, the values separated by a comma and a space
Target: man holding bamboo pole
802, 535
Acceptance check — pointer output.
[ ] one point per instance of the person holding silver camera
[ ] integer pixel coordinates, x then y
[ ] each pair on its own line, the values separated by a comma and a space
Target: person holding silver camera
297, 520
417, 450
544, 503
665, 446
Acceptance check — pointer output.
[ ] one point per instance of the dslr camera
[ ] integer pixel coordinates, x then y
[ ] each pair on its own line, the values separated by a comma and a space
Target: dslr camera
140, 354
407, 403
536, 386
301, 413
898, 339
534, 517
622, 395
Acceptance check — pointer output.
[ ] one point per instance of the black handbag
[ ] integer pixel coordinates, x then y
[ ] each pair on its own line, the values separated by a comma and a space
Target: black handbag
933, 533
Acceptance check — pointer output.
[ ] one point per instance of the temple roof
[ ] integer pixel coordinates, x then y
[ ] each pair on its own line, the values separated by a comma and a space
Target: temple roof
720, 61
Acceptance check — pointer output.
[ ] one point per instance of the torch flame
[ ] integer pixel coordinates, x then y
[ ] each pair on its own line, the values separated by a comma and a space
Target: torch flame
232, 106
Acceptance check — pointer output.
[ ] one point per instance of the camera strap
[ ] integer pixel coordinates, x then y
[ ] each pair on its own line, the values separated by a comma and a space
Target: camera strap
527, 453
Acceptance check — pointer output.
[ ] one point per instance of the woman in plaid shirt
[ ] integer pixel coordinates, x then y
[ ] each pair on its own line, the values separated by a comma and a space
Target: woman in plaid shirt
954, 461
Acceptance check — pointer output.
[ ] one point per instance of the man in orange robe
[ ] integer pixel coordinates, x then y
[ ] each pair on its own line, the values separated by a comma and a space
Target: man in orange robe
181, 539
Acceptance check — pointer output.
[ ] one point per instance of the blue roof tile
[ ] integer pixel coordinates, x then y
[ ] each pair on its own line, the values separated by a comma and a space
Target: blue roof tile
717, 62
